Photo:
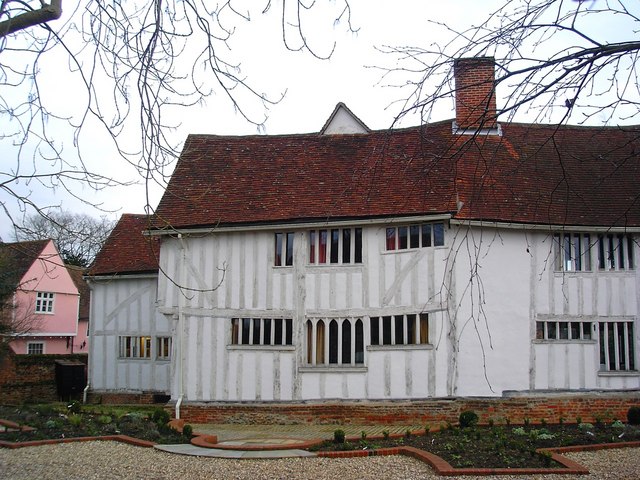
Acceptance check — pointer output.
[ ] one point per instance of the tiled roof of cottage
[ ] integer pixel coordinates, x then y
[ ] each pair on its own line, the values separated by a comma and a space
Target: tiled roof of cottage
127, 250
550, 175
16, 259
83, 289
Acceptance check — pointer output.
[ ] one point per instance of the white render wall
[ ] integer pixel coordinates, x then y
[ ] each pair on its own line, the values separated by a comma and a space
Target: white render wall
126, 306
484, 292
407, 282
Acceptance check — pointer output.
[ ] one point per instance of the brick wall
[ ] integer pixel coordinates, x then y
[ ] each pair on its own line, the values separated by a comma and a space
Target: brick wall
589, 407
475, 92
30, 378
122, 398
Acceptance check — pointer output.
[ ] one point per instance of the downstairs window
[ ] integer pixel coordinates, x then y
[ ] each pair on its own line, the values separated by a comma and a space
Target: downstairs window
616, 340
336, 341
261, 331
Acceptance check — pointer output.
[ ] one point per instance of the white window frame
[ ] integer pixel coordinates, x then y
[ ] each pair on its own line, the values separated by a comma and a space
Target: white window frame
422, 235
260, 332
34, 344
616, 252
163, 348
585, 252
45, 302
132, 347
413, 328
319, 349
283, 249
336, 253
564, 330
616, 341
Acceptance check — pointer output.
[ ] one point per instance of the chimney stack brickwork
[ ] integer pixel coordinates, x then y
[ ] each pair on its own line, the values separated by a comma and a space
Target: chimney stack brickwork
475, 92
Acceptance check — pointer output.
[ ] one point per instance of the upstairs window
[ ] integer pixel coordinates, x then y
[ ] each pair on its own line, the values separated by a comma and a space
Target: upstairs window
400, 329
576, 252
44, 302
414, 236
336, 246
284, 249
261, 331
615, 252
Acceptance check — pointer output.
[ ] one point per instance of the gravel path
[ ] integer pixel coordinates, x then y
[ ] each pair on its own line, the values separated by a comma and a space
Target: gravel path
113, 460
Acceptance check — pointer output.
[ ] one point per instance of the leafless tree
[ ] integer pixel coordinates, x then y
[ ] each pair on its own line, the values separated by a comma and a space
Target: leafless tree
134, 69
558, 61
78, 236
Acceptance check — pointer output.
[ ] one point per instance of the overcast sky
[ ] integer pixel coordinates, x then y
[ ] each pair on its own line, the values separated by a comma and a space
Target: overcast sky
312, 86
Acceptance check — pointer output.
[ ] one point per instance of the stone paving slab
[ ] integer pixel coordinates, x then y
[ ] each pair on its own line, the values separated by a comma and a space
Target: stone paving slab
185, 449
229, 432
279, 441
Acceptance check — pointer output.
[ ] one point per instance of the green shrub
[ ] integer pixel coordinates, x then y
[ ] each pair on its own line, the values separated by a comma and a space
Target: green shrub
363, 435
633, 415
160, 416
468, 418
75, 419
385, 434
338, 436
426, 429
187, 431
618, 425
105, 419
585, 427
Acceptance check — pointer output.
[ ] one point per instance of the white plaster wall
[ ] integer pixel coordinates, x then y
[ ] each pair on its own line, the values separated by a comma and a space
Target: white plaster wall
492, 319
126, 306
232, 275
590, 296
483, 291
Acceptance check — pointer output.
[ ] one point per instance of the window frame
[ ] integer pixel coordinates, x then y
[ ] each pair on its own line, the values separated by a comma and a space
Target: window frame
413, 236
134, 347
283, 249
251, 332
335, 246
553, 331
399, 330
164, 345
45, 302
592, 251
33, 344
336, 342
617, 354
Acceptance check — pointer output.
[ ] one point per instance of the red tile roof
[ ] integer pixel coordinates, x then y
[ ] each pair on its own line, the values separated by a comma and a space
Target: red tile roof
16, 259
583, 176
127, 250
83, 289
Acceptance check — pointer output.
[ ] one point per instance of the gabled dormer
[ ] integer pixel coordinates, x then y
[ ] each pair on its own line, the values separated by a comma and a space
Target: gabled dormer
343, 121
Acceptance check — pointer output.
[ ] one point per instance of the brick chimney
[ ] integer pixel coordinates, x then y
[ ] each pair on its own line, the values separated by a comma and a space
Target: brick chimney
475, 92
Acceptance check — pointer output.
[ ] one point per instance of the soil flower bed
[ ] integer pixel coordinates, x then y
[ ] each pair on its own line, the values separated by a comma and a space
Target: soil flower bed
503, 446
54, 421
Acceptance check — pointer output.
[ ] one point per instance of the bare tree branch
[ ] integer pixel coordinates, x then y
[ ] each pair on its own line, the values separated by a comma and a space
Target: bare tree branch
29, 18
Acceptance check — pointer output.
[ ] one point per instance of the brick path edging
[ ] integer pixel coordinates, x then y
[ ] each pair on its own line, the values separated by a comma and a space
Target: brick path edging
53, 441
442, 467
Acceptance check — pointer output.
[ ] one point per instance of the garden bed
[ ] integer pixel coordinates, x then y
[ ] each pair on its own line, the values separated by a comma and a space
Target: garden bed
56, 421
502, 446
